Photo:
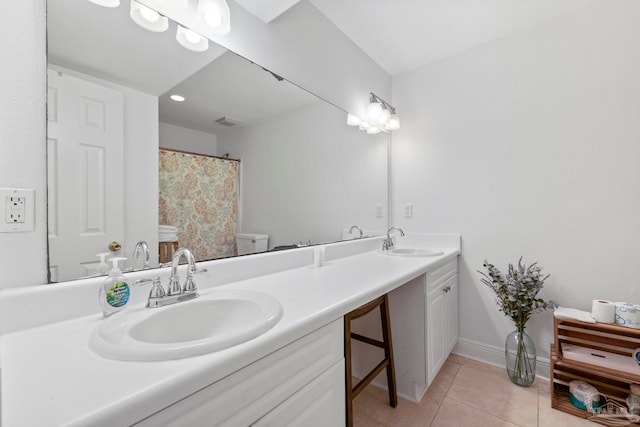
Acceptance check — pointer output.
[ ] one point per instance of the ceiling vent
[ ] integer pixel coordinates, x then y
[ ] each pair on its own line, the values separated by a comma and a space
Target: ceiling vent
228, 121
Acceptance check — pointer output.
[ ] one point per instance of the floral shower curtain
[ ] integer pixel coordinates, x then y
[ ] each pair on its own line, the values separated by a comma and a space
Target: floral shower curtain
199, 196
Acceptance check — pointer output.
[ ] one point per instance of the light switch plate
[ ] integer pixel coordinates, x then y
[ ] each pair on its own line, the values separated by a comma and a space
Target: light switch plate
408, 210
18, 210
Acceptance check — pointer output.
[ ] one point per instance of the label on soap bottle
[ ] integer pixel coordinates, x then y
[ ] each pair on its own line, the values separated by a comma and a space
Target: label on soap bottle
118, 294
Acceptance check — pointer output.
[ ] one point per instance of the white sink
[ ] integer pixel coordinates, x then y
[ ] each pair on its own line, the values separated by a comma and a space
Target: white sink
221, 319
413, 252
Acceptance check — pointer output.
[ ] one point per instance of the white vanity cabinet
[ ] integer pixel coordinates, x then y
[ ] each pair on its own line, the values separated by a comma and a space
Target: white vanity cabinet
424, 325
442, 316
300, 384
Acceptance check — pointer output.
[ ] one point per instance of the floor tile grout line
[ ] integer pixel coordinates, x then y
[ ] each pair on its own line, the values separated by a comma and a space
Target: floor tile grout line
485, 412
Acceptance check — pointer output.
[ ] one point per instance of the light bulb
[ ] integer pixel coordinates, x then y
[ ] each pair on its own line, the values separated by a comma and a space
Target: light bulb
216, 14
374, 110
384, 117
177, 98
192, 36
148, 18
191, 40
394, 122
364, 126
213, 18
373, 130
353, 120
149, 14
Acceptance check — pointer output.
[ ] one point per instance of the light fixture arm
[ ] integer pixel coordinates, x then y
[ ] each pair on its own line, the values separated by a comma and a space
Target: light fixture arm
376, 98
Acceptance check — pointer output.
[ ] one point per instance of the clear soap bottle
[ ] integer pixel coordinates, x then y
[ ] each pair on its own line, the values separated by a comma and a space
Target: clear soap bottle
114, 292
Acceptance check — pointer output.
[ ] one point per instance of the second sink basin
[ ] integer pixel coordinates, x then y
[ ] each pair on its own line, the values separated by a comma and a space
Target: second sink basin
413, 252
218, 320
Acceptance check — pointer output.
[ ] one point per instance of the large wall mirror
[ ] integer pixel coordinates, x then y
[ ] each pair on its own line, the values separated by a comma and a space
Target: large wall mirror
303, 176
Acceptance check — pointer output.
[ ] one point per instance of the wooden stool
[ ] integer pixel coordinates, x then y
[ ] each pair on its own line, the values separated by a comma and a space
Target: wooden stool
351, 392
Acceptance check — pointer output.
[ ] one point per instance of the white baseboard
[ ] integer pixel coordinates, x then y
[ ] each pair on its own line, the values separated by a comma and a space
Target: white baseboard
493, 355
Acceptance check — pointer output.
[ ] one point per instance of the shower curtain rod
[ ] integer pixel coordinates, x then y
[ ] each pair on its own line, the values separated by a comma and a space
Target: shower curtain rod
200, 154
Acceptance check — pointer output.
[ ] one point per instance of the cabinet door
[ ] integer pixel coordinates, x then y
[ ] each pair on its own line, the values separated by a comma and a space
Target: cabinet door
451, 313
320, 403
436, 331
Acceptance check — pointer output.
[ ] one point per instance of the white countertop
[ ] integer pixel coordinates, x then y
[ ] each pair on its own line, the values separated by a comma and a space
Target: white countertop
50, 377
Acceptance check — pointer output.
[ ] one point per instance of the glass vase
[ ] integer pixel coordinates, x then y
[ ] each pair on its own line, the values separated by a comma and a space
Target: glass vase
520, 352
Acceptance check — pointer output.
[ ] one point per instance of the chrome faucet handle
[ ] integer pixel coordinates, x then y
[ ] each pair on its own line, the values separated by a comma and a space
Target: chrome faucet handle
174, 286
189, 286
157, 291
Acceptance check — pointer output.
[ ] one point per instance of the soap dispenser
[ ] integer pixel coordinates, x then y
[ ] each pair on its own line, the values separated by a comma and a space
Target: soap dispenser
102, 267
114, 292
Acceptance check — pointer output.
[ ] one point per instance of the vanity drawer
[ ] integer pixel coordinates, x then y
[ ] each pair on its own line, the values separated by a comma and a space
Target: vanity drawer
438, 276
248, 394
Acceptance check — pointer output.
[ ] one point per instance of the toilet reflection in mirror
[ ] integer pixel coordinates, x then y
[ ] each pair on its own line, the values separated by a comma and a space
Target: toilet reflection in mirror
303, 174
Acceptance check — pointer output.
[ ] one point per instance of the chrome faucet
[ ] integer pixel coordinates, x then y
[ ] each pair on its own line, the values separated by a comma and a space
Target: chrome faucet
142, 249
355, 227
158, 297
388, 244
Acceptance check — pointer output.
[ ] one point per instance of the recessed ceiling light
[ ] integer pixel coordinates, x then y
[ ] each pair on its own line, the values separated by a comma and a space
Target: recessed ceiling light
178, 98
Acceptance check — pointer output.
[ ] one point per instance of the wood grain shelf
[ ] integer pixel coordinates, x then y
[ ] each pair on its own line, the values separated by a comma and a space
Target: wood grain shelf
612, 383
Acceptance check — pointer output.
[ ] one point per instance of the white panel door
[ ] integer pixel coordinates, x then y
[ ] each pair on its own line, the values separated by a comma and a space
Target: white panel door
451, 309
86, 183
436, 352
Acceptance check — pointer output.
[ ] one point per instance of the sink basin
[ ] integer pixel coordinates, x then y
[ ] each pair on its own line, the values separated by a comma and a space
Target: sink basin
413, 252
221, 319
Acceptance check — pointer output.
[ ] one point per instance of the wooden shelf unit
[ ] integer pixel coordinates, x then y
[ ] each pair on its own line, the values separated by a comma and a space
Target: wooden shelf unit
613, 384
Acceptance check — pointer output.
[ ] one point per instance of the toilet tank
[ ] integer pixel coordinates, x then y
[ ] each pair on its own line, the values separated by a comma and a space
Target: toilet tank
251, 243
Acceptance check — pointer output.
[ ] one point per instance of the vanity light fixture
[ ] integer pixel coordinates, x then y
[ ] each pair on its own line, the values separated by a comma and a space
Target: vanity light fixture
216, 14
191, 40
148, 18
177, 98
380, 116
106, 3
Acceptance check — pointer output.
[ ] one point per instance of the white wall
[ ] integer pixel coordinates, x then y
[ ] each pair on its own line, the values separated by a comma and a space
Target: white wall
306, 175
530, 145
23, 163
178, 138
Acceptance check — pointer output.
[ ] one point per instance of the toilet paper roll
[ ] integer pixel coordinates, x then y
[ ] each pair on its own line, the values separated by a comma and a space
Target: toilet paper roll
628, 315
603, 311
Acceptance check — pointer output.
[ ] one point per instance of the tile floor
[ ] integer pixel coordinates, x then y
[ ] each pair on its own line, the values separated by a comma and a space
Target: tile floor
466, 393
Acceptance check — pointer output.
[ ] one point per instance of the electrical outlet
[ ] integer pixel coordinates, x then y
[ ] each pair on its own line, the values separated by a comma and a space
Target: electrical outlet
379, 212
19, 210
15, 210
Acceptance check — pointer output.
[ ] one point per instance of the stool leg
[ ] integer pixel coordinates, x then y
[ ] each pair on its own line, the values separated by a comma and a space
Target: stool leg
348, 381
388, 352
